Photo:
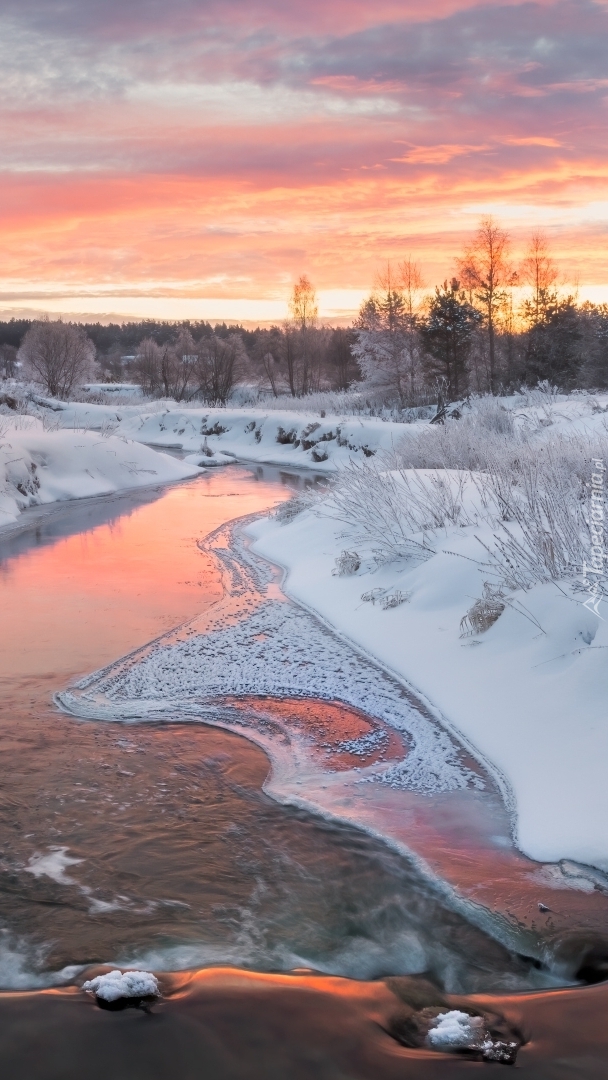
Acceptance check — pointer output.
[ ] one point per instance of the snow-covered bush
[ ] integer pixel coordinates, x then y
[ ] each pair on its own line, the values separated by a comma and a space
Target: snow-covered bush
348, 562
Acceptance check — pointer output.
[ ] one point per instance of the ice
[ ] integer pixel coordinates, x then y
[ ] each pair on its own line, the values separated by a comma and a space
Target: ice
123, 984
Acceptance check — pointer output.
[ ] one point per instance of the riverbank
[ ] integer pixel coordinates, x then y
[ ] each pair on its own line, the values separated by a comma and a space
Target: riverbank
232, 1024
526, 694
39, 467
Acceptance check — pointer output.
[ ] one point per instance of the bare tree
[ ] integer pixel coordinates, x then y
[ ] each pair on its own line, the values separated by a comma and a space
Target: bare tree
412, 285
267, 353
299, 337
539, 272
147, 366
179, 366
59, 355
485, 272
303, 304
219, 366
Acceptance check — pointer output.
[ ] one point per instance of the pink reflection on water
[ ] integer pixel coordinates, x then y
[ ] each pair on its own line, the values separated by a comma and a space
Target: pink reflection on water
74, 604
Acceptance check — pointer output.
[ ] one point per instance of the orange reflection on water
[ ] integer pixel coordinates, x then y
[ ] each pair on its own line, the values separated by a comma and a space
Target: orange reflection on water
330, 729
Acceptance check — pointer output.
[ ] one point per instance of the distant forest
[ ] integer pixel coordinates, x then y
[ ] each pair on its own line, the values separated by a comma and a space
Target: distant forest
492, 327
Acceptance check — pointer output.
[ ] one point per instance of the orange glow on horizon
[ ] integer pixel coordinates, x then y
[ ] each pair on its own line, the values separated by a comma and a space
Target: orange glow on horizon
214, 167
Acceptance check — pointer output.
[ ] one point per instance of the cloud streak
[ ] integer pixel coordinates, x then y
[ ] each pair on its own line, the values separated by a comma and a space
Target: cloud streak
247, 142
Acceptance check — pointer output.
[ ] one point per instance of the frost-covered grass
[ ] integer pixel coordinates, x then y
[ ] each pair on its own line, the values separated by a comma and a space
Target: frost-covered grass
529, 482
479, 530
353, 402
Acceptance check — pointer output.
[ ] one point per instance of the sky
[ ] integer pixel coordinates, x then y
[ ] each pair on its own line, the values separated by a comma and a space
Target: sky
192, 159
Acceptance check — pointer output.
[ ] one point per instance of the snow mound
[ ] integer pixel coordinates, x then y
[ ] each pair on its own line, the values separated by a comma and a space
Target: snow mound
207, 459
123, 984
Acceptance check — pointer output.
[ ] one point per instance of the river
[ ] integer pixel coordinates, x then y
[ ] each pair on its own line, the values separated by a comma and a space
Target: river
234, 843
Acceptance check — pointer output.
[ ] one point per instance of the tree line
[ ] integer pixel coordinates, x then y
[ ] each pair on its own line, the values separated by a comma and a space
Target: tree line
493, 326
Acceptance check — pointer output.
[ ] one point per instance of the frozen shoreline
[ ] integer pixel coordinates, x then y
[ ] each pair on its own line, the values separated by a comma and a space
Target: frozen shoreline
532, 705
42, 469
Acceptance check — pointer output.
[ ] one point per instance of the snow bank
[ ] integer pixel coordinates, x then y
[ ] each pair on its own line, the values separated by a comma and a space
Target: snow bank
40, 466
304, 438
528, 695
118, 984
299, 439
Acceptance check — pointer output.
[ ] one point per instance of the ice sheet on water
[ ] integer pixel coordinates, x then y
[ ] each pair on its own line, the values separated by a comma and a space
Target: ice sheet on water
255, 643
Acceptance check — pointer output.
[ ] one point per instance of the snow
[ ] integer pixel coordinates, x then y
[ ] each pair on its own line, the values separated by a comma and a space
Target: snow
118, 984
319, 442
39, 466
271, 437
527, 696
455, 1030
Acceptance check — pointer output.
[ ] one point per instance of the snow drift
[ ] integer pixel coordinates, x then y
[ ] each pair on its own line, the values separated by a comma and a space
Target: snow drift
40, 466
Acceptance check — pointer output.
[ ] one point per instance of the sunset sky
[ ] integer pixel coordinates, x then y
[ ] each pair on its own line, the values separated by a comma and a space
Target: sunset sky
192, 158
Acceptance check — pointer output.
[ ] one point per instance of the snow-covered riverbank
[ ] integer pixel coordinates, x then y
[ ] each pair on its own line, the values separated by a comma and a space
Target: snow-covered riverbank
528, 695
273, 437
39, 466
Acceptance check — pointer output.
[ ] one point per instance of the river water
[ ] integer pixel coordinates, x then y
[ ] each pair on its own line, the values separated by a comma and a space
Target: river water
252, 845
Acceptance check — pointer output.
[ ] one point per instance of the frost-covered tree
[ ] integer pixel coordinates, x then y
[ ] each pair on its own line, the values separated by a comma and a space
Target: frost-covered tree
387, 348
447, 337
146, 366
58, 355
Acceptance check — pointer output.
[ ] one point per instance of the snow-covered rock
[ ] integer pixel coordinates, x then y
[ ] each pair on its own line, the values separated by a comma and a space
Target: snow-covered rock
455, 1030
117, 985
